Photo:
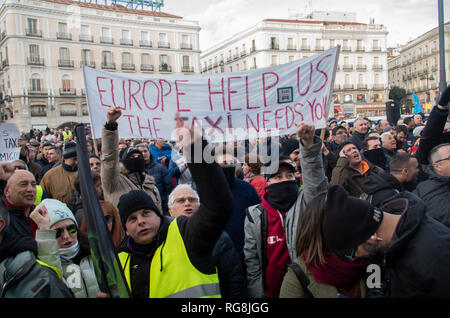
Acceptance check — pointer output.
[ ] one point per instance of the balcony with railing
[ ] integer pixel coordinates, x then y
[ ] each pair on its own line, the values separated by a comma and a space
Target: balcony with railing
348, 86
86, 38
109, 66
87, 63
68, 112
38, 111
291, 47
36, 61
63, 36
274, 46
361, 86
65, 63
163, 45
145, 43
347, 67
33, 32
5, 63
186, 46
337, 87
252, 49
305, 48
360, 49
37, 91
376, 49
67, 91
243, 53
128, 67
3, 35
165, 68
361, 67
106, 40
187, 69
377, 67
147, 68
346, 49
128, 42
319, 48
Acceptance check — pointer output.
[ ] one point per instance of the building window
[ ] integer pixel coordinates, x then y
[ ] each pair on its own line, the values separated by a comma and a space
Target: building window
185, 42
85, 33
32, 28
274, 43
163, 41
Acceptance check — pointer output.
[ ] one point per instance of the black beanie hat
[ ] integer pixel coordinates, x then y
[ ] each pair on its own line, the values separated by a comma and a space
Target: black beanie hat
348, 221
127, 152
289, 146
135, 200
70, 150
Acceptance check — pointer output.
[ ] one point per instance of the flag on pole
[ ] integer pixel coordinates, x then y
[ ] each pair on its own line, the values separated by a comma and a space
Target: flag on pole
417, 105
107, 267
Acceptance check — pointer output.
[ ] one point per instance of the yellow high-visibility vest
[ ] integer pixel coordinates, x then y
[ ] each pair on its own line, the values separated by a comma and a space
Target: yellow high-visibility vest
175, 277
66, 135
39, 193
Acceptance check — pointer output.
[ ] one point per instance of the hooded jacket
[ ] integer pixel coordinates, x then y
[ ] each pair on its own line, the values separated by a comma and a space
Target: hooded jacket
357, 139
255, 227
418, 259
115, 183
162, 178
436, 193
381, 186
158, 154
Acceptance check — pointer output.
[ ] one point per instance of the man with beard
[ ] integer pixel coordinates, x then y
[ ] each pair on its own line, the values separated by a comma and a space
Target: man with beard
129, 174
271, 227
416, 248
383, 186
351, 170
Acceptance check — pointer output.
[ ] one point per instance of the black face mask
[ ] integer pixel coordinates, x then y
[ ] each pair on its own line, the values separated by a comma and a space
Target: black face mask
376, 156
134, 164
230, 173
410, 185
282, 195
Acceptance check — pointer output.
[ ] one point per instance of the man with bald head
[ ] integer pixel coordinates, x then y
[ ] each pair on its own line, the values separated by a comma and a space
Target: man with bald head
19, 195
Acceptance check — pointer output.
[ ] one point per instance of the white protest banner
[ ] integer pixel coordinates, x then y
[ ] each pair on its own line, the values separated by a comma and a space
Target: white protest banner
9, 144
228, 106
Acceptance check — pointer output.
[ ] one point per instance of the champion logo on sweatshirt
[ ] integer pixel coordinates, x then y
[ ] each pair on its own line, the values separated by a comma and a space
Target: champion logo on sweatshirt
274, 239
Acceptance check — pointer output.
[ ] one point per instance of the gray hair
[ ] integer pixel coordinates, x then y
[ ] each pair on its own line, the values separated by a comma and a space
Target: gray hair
434, 152
186, 186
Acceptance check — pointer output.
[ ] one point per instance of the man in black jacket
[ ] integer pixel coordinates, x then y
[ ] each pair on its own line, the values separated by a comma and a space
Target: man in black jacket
416, 247
382, 186
436, 190
162, 259
360, 133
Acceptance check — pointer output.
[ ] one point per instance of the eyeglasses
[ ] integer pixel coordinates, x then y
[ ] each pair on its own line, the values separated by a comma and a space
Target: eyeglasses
352, 254
72, 229
448, 158
182, 200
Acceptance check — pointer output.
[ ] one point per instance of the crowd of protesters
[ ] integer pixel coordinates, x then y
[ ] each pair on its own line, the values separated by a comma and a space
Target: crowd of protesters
341, 200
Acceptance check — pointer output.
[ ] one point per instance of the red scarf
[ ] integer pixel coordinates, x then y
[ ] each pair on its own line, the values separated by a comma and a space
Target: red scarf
344, 274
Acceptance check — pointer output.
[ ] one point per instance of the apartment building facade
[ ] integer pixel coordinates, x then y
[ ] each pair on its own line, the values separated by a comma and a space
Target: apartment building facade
361, 79
44, 44
417, 67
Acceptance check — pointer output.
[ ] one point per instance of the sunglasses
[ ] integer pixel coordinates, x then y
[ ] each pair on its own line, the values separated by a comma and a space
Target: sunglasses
72, 229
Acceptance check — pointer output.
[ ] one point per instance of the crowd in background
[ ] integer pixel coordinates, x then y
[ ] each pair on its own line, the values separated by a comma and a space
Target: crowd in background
343, 198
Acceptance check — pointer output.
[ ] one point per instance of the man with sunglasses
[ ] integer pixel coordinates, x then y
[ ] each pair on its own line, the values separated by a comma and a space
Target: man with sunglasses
436, 190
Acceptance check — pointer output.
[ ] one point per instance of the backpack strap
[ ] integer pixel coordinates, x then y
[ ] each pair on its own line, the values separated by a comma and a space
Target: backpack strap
21, 272
304, 281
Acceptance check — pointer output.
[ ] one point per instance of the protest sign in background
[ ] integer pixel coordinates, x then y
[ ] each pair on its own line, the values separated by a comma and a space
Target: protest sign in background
9, 145
228, 106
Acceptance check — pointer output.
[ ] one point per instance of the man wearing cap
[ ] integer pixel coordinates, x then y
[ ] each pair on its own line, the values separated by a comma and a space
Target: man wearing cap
58, 181
271, 227
291, 149
124, 171
174, 259
416, 248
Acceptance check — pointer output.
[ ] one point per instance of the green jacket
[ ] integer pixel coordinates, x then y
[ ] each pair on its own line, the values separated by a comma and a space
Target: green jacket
291, 287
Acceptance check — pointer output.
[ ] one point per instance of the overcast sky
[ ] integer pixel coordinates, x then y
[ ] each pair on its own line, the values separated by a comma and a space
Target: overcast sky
220, 19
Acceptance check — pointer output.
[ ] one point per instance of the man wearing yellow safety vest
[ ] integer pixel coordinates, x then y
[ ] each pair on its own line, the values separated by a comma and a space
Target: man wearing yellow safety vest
67, 134
174, 259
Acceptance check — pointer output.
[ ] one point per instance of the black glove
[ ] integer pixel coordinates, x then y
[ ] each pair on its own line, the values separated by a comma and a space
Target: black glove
445, 97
